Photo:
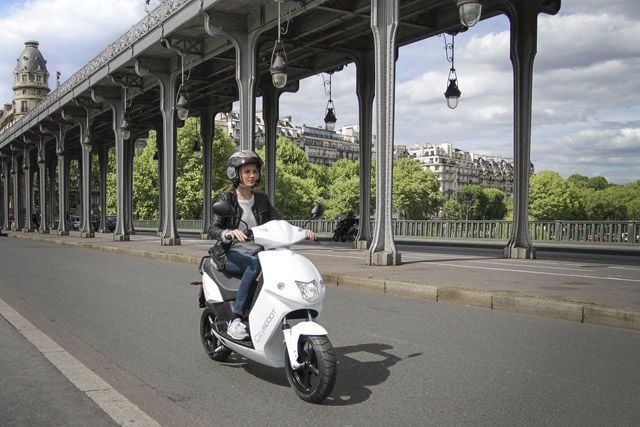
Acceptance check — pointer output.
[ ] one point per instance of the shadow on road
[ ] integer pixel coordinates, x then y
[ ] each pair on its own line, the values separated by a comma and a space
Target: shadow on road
359, 368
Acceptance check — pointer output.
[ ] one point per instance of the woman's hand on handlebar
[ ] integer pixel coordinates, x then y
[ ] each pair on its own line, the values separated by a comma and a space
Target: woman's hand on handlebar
310, 234
237, 234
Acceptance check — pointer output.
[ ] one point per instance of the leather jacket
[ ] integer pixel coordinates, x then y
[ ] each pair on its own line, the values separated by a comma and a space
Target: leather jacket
262, 209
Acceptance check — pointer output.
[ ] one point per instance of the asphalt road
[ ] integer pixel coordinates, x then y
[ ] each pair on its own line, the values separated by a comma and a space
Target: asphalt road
134, 322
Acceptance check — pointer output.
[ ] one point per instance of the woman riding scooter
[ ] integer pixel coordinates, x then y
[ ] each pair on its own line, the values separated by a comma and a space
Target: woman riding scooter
233, 254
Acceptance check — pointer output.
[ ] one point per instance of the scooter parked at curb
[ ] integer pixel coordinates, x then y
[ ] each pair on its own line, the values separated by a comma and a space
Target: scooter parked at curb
281, 322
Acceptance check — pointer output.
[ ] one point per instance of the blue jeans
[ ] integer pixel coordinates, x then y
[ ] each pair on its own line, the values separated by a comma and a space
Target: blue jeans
241, 263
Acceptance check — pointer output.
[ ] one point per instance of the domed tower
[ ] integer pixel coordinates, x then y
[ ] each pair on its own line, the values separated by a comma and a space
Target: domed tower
31, 79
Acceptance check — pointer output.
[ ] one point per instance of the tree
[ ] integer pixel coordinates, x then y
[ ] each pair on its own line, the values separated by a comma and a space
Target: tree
146, 182
598, 183
579, 181
344, 188
551, 197
495, 207
609, 204
452, 209
416, 192
297, 190
473, 201
189, 172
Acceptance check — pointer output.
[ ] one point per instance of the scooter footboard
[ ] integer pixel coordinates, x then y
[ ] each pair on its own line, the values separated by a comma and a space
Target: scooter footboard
292, 336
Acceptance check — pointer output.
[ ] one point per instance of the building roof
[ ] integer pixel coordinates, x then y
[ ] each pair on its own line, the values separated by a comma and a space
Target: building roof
31, 59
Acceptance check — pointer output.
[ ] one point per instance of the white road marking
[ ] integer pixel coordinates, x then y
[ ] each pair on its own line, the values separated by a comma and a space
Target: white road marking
537, 265
509, 270
106, 397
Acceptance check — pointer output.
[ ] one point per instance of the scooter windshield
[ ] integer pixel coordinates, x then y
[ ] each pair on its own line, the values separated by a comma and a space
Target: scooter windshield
277, 234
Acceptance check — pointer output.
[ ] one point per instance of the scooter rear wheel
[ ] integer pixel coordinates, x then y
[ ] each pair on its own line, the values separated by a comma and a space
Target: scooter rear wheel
212, 345
315, 379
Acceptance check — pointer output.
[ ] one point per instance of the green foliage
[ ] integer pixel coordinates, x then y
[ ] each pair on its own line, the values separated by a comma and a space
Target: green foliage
189, 180
580, 197
146, 182
416, 192
473, 201
551, 197
111, 182
344, 188
609, 204
297, 181
223, 148
452, 209
496, 208
295, 196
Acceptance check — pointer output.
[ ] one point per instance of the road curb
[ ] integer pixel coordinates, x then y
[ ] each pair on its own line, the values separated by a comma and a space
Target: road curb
515, 303
549, 307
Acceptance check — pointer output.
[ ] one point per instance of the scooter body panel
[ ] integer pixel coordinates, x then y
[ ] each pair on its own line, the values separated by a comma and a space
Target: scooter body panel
211, 290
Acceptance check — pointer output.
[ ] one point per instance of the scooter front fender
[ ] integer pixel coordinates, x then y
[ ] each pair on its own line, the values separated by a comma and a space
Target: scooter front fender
292, 336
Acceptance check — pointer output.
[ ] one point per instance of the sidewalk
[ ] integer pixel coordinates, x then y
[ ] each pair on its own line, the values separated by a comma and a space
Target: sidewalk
439, 277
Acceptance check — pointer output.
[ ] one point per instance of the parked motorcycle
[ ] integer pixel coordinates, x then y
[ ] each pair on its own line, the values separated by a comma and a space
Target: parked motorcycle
346, 229
281, 323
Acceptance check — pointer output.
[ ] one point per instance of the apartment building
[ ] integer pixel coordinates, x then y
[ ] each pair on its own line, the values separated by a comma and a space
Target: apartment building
455, 167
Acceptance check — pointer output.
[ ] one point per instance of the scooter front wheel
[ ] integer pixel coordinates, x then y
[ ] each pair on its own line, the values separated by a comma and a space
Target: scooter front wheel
315, 379
212, 345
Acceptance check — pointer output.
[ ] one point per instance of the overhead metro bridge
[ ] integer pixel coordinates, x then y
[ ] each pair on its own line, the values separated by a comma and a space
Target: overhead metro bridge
216, 52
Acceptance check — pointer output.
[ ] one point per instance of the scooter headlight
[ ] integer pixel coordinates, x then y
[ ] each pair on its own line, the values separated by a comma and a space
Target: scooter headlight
310, 291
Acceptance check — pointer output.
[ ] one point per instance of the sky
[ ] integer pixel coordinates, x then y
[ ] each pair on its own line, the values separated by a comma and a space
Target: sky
586, 84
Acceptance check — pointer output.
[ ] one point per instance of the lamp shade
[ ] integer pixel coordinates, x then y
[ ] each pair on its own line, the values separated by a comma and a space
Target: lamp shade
182, 107
330, 119
125, 129
279, 69
469, 11
452, 94
87, 140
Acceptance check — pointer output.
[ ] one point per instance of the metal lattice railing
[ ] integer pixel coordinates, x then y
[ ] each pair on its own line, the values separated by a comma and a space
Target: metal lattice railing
612, 232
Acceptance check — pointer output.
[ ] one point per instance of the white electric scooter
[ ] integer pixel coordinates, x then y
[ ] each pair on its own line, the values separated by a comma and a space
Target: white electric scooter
281, 326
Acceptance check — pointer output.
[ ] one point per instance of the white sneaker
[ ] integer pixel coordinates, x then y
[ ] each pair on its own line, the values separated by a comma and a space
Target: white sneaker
237, 330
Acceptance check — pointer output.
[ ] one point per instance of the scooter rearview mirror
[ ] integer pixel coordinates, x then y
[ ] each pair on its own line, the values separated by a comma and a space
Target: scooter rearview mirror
317, 211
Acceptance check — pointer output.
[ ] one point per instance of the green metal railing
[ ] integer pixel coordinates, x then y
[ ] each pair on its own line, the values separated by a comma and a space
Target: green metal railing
611, 232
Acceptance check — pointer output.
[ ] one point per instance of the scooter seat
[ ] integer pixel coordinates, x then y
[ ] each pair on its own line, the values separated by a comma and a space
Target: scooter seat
227, 283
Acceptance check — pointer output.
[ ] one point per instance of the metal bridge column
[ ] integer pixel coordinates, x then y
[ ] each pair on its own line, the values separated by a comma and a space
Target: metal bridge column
80, 117
384, 23
103, 163
5, 191
15, 176
63, 180
207, 133
166, 78
523, 17
28, 184
245, 43
114, 100
208, 112
161, 195
51, 191
271, 115
129, 153
42, 174
365, 91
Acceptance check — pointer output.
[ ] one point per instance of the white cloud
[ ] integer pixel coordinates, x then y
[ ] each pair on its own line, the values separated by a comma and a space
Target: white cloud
70, 32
